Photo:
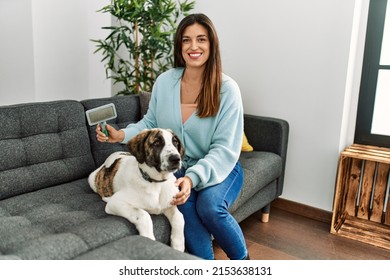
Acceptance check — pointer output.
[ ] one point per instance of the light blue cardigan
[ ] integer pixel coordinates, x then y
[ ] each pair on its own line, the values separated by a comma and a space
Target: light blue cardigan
212, 144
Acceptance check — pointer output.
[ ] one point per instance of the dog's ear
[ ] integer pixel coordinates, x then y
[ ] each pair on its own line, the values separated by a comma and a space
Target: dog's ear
136, 145
180, 146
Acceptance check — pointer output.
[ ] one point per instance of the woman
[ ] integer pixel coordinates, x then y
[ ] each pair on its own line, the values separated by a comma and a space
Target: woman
204, 108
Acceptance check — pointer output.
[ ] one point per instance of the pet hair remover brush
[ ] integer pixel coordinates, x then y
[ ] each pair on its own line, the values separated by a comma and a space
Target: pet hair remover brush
101, 115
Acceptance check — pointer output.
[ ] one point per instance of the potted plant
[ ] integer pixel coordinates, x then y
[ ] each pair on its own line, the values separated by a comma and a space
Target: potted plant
140, 44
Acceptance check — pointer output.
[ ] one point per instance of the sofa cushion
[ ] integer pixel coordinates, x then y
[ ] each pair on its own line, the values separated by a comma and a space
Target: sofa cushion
144, 100
63, 222
260, 169
41, 145
128, 111
135, 247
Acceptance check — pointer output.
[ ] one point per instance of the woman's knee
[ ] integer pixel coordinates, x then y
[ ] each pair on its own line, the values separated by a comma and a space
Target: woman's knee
210, 210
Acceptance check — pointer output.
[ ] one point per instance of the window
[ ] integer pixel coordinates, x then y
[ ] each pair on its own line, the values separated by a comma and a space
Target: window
373, 115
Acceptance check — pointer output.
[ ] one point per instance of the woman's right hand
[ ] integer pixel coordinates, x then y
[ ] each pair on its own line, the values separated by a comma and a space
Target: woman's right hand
114, 136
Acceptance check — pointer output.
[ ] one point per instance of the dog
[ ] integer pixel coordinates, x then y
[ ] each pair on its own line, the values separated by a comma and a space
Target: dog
141, 182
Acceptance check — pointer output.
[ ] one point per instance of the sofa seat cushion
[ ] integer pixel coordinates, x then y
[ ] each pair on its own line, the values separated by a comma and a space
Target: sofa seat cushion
62, 222
260, 168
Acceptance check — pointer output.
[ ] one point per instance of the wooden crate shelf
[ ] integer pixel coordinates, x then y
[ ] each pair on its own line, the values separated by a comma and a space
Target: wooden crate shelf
361, 209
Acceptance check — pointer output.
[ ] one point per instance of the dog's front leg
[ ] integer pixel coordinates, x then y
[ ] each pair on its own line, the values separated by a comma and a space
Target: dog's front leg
139, 217
176, 220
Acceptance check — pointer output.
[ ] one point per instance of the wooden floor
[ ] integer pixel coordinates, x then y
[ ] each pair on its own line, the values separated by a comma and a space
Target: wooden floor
289, 236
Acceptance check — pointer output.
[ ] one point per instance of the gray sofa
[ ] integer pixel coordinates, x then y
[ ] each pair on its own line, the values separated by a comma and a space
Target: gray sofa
48, 211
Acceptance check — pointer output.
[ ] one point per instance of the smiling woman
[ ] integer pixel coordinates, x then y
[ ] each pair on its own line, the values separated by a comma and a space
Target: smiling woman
195, 46
197, 49
203, 107
195, 52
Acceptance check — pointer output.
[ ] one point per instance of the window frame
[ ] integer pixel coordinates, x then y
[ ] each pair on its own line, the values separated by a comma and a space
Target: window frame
370, 70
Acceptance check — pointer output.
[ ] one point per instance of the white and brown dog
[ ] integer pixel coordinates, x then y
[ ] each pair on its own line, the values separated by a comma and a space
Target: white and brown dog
141, 182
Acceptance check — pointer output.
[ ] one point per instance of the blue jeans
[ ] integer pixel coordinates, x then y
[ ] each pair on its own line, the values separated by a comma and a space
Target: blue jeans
206, 214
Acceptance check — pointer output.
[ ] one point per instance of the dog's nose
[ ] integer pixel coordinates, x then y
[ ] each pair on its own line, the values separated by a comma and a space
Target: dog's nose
174, 159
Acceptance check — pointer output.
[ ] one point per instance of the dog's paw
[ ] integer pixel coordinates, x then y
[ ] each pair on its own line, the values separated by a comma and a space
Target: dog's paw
148, 235
177, 244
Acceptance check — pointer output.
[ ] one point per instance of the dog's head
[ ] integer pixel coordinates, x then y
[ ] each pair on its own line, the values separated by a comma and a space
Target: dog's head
158, 148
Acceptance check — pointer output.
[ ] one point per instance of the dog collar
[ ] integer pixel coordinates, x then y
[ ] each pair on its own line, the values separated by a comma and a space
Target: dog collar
148, 178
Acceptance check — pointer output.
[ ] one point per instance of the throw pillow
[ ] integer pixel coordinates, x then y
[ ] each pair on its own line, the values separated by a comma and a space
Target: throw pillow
246, 147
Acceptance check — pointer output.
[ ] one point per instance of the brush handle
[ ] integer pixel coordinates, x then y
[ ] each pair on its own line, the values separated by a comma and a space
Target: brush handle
103, 127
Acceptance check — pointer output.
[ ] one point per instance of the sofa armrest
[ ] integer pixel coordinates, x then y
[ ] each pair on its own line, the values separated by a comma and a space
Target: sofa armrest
269, 135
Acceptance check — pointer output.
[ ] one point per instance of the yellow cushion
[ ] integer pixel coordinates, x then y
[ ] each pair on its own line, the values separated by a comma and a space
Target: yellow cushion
246, 147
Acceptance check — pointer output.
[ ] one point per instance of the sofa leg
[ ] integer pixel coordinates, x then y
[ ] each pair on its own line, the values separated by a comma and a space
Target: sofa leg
265, 217
265, 213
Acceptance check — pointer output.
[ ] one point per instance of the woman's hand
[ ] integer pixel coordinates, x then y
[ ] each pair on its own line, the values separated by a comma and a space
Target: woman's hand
114, 135
185, 186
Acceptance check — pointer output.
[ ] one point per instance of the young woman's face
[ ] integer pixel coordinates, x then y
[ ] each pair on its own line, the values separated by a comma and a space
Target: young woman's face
195, 45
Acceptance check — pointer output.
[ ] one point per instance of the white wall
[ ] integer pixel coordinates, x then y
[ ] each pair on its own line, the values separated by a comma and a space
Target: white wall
295, 59
46, 52
16, 52
291, 61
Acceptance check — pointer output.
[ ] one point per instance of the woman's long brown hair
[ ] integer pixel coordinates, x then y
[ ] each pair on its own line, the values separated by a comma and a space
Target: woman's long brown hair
209, 97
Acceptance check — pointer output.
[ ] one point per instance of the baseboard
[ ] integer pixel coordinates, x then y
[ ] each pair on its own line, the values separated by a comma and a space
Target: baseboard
303, 210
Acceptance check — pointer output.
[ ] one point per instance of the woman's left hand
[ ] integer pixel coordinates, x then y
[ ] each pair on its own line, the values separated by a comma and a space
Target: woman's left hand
185, 186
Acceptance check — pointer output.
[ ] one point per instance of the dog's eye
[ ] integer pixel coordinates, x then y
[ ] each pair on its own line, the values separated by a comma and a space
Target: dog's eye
157, 143
175, 142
